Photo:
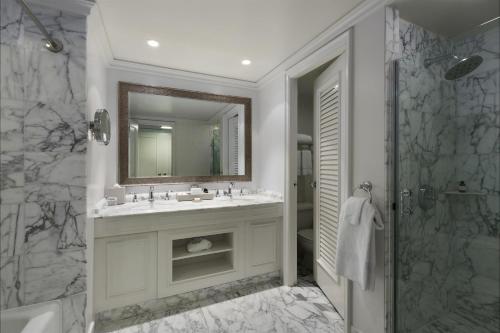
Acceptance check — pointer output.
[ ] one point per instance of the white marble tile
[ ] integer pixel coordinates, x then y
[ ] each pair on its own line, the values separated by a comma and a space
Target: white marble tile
69, 28
11, 229
54, 78
278, 309
478, 133
11, 125
53, 226
12, 177
11, 282
12, 72
52, 275
74, 313
54, 176
11, 29
55, 128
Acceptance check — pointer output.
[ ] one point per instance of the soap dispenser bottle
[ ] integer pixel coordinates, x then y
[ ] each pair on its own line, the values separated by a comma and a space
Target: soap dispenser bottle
462, 187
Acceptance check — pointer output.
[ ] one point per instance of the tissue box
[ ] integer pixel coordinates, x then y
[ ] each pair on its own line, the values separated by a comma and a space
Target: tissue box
116, 191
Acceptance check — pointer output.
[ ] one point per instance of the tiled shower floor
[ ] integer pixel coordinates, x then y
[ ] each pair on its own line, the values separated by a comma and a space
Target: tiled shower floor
457, 323
302, 308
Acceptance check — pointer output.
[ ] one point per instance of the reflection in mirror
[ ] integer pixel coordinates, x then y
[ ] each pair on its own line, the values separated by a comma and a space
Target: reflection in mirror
177, 136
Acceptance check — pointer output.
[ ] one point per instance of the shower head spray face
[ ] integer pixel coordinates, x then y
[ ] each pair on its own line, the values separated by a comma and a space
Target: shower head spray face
463, 67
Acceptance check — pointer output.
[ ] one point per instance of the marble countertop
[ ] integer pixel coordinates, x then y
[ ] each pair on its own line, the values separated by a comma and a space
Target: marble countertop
170, 206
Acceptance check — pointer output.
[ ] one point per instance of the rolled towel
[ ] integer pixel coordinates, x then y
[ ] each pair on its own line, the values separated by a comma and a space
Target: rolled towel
198, 244
304, 139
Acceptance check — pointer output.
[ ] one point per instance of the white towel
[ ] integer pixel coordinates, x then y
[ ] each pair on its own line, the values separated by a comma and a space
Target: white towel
356, 245
307, 167
304, 163
351, 209
304, 139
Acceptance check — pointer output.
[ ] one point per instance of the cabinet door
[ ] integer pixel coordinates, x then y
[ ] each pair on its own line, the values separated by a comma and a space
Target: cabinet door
125, 270
262, 247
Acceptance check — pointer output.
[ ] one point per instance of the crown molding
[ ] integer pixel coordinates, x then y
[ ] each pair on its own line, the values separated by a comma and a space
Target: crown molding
126, 65
78, 7
97, 34
356, 15
349, 20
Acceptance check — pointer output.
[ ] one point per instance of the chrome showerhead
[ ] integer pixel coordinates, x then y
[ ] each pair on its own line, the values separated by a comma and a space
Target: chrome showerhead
463, 67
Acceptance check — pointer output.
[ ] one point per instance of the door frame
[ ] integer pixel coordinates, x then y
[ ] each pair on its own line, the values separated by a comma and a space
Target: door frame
340, 45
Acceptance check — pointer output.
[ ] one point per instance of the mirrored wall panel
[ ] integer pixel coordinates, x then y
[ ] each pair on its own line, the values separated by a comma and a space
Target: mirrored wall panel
177, 135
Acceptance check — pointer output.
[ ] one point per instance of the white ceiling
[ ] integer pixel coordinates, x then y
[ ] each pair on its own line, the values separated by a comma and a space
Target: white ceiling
447, 17
158, 106
213, 36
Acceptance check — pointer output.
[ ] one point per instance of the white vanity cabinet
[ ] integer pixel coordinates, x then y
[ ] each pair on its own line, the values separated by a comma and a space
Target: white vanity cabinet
263, 243
143, 257
180, 271
125, 269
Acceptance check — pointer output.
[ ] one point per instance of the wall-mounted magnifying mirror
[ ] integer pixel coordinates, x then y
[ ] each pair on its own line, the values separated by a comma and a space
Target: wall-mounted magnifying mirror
171, 135
100, 128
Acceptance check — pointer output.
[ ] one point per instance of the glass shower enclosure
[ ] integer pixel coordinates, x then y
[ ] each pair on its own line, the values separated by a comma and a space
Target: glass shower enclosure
447, 164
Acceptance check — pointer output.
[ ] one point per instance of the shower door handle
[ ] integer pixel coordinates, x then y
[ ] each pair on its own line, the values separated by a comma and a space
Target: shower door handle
405, 202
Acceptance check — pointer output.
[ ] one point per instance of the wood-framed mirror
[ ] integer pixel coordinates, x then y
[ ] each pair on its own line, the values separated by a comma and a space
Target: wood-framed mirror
169, 135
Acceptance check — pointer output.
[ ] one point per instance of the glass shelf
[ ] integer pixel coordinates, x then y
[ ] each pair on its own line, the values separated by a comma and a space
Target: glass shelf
465, 193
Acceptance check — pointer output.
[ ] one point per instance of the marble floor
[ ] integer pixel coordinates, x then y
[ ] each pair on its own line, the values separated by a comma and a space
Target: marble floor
275, 308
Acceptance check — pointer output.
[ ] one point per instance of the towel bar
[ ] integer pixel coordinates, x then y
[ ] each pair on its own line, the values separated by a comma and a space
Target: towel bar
365, 186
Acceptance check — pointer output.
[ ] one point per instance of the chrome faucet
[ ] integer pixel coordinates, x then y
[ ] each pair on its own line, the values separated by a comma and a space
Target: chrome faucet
151, 194
167, 195
230, 190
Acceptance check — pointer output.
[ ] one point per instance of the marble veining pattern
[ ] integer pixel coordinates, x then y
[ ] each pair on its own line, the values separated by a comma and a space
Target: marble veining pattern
43, 136
302, 308
164, 206
447, 264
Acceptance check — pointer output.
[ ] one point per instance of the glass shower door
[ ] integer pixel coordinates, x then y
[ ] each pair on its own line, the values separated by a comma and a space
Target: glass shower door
447, 257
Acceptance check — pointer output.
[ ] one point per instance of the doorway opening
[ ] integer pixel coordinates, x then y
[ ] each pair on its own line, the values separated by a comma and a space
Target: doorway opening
318, 168
305, 172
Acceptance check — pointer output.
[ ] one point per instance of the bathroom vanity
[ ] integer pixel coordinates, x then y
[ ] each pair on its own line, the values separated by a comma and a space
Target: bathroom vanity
146, 242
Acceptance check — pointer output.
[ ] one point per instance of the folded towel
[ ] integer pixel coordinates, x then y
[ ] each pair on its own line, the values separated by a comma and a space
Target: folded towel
355, 258
306, 162
304, 139
198, 244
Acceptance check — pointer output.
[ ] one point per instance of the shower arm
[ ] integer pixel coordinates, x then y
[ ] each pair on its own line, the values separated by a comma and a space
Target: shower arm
430, 61
52, 44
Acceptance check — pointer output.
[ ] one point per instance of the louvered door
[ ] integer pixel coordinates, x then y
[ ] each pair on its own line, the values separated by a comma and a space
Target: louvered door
328, 111
233, 146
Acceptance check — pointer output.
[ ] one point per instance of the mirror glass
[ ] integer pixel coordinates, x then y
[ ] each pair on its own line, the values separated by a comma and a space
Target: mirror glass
172, 136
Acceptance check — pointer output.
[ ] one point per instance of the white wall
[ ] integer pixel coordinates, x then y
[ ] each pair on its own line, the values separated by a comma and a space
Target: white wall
270, 130
116, 75
368, 152
96, 153
96, 99
367, 146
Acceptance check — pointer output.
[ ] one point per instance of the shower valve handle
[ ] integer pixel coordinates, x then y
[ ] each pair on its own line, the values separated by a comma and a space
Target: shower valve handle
405, 202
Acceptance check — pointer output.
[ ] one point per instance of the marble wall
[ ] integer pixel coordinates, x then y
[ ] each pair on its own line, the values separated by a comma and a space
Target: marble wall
447, 256
43, 146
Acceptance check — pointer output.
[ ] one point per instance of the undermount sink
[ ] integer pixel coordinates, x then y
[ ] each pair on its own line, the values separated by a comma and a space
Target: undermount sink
194, 196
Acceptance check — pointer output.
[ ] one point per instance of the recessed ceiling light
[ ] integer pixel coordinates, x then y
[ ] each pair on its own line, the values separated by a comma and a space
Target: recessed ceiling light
165, 127
246, 62
153, 43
